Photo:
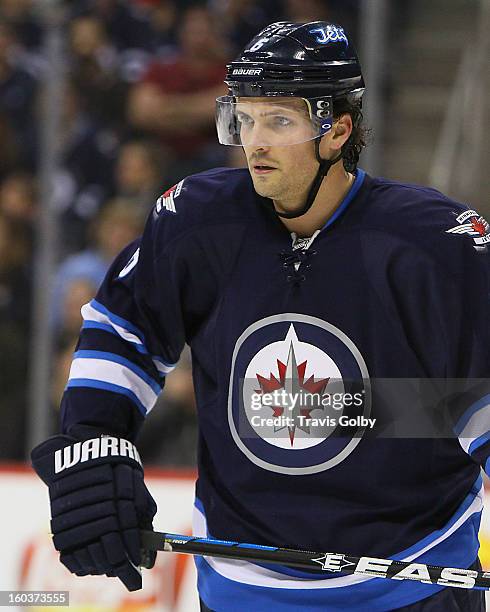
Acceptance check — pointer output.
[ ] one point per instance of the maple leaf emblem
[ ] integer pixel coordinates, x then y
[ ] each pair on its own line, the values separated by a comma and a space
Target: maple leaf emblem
479, 225
291, 378
169, 191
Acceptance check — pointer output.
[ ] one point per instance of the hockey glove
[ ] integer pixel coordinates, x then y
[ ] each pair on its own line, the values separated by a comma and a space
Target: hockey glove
99, 502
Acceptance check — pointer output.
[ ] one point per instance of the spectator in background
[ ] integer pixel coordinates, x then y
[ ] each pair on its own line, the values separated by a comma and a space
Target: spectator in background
176, 100
80, 275
18, 198
163, 19
27, 27
125, 24
15, 255
15, 289
141, 174
127, 28
10, 156
95, 69
17, 94
87, 158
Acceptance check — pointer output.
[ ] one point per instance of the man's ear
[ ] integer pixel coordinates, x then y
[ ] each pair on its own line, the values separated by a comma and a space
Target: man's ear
332, 143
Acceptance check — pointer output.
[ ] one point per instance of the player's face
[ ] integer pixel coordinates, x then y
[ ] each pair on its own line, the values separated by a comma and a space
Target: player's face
281, 169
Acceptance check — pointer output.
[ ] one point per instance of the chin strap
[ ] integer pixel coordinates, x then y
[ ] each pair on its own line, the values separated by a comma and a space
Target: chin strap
325, 165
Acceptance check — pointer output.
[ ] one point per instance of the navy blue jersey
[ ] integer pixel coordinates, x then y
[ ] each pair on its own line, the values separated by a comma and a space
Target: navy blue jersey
395, 286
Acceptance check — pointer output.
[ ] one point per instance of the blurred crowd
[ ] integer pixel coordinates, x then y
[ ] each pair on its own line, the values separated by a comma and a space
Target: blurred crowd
137, 115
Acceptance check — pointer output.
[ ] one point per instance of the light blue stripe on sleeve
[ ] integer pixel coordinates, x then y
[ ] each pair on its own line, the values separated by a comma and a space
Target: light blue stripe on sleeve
97, 316
107, 328
104, 356
127, 325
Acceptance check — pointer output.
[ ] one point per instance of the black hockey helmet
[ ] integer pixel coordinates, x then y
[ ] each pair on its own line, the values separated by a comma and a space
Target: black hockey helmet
307, 60
315, 62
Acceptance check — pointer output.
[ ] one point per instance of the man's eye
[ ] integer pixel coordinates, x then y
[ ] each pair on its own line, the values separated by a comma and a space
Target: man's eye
281, 121
244, 119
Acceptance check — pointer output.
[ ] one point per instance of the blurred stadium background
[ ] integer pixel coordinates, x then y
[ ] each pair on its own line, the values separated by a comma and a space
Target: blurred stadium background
104, 104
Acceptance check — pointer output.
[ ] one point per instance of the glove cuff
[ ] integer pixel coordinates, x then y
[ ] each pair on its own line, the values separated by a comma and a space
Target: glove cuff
60, 455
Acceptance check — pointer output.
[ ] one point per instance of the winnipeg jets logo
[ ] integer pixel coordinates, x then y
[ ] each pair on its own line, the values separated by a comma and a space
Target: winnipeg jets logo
290, 407
293, 402
167, 200
472, 224
299, 388
331, 33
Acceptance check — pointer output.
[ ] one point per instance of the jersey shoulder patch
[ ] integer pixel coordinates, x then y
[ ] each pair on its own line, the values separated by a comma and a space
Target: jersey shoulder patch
166, 202
472, 225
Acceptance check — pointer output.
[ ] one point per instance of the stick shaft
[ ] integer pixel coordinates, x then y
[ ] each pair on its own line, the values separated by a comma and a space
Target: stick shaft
329, 563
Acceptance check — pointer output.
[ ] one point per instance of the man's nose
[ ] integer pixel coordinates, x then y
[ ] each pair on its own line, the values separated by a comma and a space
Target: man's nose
254, 138
260, 148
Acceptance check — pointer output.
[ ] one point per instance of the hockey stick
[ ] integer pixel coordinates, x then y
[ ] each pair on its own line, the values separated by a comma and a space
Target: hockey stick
371, 567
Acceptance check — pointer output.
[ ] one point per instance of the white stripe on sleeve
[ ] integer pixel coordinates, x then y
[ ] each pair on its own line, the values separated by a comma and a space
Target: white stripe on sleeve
115, 374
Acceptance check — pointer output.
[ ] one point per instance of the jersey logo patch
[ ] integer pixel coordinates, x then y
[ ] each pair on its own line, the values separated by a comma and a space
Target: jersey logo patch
299, 399
167, 200
472, 224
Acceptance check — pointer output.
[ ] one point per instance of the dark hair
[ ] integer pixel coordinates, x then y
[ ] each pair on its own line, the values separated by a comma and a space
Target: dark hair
359, 137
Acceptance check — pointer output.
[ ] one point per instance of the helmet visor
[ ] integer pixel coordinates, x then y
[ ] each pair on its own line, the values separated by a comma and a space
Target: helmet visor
271, 122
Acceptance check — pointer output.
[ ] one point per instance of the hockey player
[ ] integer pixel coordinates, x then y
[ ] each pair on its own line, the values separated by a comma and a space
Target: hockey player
299, 275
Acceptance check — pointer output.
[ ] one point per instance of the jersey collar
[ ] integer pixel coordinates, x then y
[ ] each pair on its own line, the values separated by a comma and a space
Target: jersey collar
360, 175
